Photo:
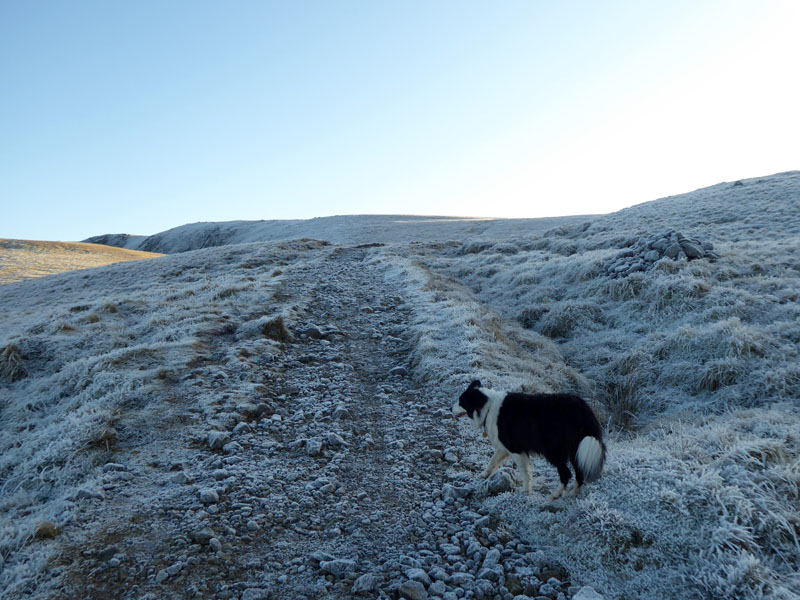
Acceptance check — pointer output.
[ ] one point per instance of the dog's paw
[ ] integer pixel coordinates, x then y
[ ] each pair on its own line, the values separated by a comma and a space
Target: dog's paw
557, 494
485, 474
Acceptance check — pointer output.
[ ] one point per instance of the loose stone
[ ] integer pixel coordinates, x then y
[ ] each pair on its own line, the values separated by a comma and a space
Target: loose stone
208, 496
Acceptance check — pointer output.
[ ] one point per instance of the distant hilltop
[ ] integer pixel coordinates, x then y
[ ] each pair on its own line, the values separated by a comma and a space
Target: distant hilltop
711, 204
352, 229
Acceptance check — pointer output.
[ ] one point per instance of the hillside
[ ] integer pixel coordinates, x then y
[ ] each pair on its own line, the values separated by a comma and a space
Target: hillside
24, 259
353, 229
271, 419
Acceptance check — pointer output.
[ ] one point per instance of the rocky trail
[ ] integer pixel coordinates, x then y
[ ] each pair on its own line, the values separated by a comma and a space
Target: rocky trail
343, 480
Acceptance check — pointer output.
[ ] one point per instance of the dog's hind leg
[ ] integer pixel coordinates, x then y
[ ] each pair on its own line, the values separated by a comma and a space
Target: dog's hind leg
524, 465
578, 477
500, 456
564, 475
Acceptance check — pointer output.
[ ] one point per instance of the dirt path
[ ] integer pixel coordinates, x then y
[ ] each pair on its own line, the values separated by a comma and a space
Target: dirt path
342, 478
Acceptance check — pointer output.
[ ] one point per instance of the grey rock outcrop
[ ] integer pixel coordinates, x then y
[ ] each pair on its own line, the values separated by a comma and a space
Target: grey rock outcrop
646, 252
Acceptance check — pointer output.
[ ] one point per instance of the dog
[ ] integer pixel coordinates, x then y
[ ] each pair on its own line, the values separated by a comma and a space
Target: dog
560, 427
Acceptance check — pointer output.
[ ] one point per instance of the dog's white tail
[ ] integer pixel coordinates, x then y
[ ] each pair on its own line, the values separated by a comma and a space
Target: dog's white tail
590, 457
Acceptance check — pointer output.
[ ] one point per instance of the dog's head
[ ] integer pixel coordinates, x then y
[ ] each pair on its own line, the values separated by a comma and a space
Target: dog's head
470, 402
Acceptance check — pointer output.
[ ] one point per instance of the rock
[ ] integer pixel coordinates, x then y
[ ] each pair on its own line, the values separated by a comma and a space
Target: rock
88, 493
232, 448
691, 248
413, 590
162, 576
366, 583
182, 478
202, 536
319, 556
118, 467
646, 253
313, 332
461, 579
499, 483
652, 256
242, 428
208, 496
587, 593
514, 585
549, 590
252, 526
660, 245
672, 251
492, 559
449, 491
175, 569
401, 371
437, 588
334, 440
215, 544
217, 439
262, 409
418, 575
314, 447
220, 474
255, 594
338, 566
438, 573
489, 575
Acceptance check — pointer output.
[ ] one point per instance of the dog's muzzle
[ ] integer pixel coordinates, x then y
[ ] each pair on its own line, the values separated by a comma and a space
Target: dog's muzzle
458, 411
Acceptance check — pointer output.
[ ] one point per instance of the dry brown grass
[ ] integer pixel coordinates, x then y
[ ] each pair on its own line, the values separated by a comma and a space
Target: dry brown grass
26, 259
275, 329
11, 368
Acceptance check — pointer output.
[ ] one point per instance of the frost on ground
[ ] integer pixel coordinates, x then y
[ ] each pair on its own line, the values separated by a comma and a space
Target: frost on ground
272, 419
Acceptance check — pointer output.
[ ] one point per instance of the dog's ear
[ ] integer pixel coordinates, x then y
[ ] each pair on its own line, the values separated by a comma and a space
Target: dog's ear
475, 384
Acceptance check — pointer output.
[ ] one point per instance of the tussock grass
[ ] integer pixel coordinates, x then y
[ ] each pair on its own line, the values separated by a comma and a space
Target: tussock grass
11, 366
623, 401
275, 329
566, 316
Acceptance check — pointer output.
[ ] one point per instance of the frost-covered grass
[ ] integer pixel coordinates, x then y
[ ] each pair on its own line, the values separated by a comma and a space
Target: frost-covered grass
693, 366
95, 360
457, 339
720, 335
689, 509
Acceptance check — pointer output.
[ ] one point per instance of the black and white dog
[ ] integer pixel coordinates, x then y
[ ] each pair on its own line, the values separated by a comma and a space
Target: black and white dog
560, 427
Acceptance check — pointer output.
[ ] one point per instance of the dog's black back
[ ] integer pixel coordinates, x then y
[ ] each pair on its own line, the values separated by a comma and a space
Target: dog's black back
551, 425
560, 427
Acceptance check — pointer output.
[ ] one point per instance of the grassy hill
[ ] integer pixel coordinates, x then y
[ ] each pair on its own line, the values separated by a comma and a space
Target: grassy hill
25, 259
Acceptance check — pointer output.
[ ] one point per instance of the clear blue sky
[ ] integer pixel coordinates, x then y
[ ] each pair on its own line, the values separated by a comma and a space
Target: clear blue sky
140, 116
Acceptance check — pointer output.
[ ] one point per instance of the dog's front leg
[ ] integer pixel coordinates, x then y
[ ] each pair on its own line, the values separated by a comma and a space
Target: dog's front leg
525, 470
500, 456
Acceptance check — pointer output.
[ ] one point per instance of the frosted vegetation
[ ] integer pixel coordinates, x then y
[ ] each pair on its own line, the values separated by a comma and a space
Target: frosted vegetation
692, 365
